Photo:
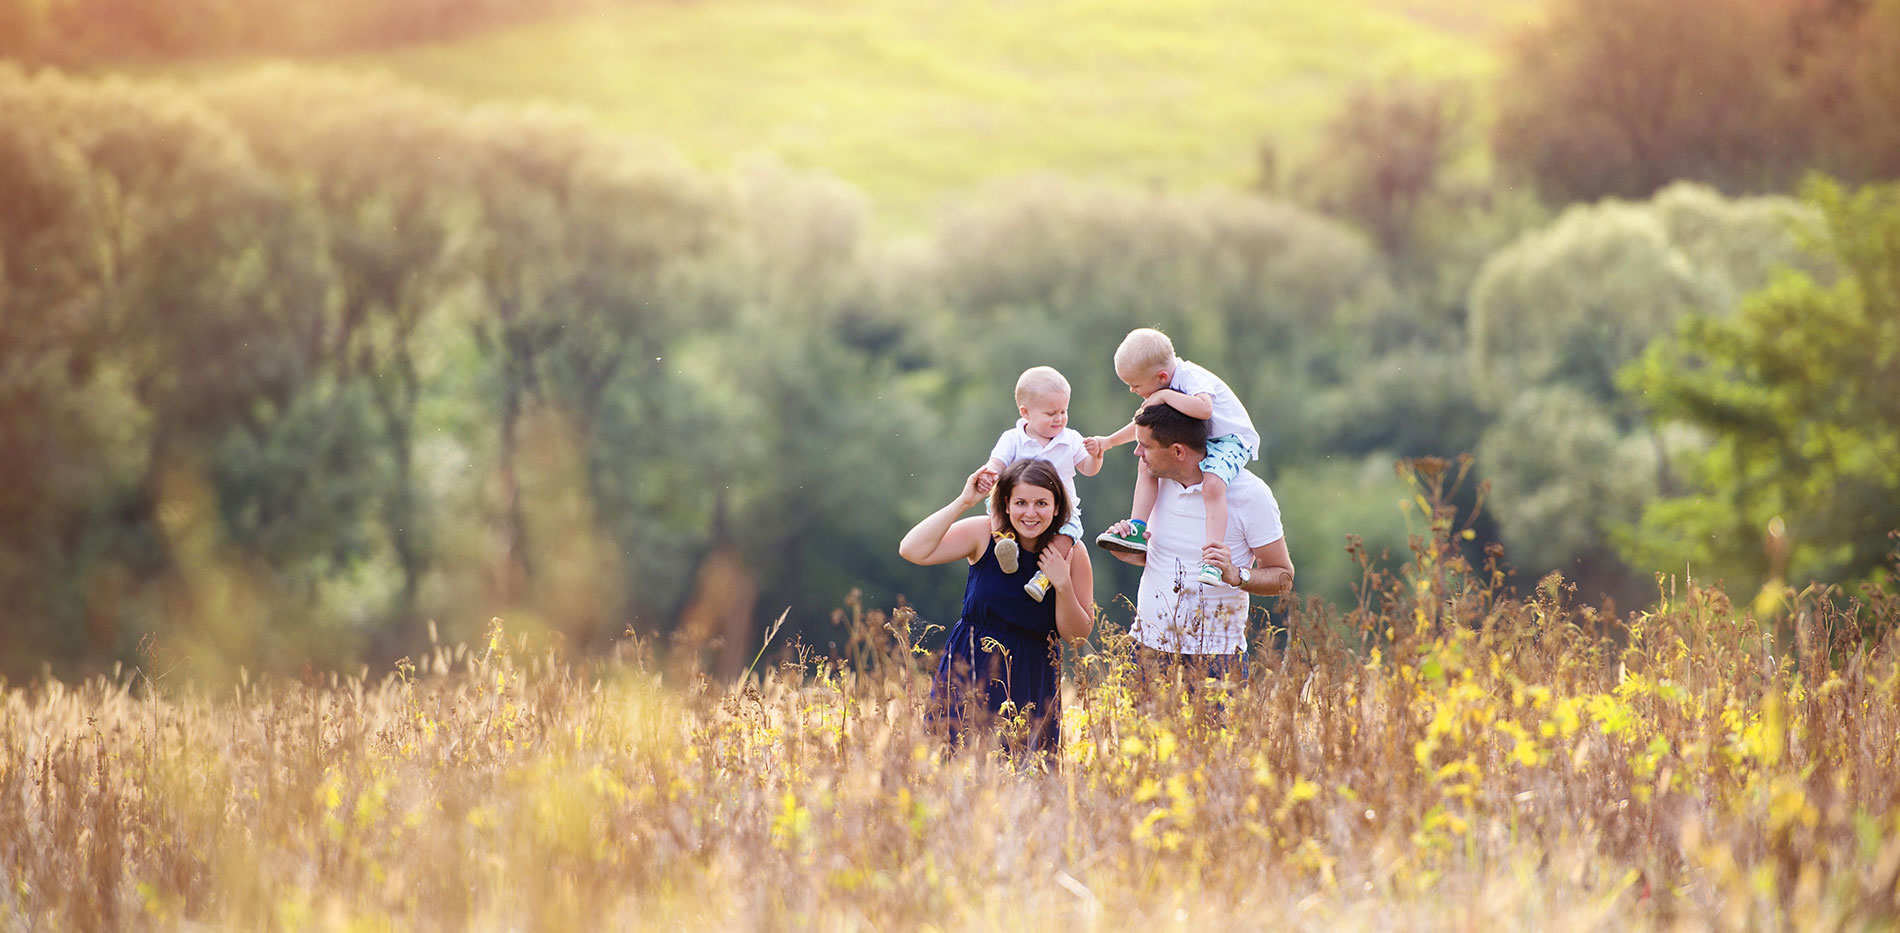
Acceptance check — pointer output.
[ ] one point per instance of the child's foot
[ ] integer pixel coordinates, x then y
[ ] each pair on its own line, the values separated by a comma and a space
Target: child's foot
1037, 587
1007, 551
1210, 575
1134, 542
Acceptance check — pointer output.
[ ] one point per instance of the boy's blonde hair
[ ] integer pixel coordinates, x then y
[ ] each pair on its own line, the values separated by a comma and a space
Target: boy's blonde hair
1143, 352
1039, 382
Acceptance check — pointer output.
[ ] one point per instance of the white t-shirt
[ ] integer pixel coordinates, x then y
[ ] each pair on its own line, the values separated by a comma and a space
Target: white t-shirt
1063, 453
1174, 611
1230, 417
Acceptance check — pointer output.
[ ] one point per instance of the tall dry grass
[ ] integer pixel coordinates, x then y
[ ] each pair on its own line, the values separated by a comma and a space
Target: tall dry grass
1440, 755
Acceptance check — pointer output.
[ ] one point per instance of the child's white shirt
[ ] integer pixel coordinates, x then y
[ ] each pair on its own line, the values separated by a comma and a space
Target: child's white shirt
1063, 453
1230, 417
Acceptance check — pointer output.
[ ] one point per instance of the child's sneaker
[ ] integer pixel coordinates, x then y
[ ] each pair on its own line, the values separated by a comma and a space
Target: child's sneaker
1038, 586
1210, 576
1007, 551
1134, 542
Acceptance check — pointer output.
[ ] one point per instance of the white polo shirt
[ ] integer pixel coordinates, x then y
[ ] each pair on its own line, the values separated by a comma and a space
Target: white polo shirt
1174, 611
1063, 453
1230, 416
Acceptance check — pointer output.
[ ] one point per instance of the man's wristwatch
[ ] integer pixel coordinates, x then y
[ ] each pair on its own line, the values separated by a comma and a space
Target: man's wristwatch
1244, 577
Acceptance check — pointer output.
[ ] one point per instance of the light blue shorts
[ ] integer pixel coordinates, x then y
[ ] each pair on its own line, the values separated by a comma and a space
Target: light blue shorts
1226, 456
1072, 527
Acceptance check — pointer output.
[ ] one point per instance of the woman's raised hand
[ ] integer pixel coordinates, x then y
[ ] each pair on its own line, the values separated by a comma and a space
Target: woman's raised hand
978, 485
985, 479
1055, 567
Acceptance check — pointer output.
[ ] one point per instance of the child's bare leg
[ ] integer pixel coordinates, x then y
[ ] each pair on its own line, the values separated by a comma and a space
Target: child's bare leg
1135, 539
1063, 545
1146, 489
1214, 496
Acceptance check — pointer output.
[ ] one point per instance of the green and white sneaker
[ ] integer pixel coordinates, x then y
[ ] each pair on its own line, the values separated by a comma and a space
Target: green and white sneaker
1134, 542
1038, 586
1210, 576
1007, 551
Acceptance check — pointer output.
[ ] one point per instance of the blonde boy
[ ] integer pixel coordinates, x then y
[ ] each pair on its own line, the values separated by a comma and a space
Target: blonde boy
1146, 362
1042, 433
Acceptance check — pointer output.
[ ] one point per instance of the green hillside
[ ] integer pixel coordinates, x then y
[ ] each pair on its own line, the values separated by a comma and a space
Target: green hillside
918, 101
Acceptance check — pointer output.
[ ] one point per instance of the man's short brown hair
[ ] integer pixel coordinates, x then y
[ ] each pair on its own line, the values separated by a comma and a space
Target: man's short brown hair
1169, 425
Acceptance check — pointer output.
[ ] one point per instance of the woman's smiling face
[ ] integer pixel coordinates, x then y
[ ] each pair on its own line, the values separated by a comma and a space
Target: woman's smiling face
1031, 509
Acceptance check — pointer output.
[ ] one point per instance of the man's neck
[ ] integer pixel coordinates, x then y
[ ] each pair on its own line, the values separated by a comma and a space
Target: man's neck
1192, 476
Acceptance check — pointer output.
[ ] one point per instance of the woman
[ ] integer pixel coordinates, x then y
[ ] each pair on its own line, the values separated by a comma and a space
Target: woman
1003, 648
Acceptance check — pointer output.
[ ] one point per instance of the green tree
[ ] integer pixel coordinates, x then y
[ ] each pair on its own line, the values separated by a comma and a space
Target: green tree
1575, 301
162, 306
1561, 470
1799, 394
1556, 315
57, 407
591, 257
382, 167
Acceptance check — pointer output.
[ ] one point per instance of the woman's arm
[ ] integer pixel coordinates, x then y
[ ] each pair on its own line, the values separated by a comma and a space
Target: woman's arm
940, 538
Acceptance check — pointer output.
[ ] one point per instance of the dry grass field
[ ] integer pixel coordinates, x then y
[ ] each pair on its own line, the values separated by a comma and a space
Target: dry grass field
1439, 756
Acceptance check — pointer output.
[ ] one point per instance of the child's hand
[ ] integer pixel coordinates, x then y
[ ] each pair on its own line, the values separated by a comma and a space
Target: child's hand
985, 479
1095, 445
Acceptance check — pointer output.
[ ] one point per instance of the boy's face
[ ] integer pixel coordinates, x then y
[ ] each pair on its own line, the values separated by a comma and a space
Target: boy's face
1144, 385
1047, 416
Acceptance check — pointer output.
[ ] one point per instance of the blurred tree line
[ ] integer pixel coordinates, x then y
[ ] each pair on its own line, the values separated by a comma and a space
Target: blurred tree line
85, 33
1623, 97
295, 363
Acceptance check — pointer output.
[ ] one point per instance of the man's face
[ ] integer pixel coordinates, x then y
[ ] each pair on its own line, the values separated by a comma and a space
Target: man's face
1168, 461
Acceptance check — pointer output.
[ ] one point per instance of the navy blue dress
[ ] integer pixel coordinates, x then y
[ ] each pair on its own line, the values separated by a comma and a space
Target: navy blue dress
1004, 648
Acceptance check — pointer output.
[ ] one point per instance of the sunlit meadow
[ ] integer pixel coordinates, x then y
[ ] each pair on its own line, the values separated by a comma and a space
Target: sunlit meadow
918, 103
1439, 756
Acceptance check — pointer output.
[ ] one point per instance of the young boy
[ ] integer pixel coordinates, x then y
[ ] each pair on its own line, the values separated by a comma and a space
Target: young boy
1146, 362
1043, 432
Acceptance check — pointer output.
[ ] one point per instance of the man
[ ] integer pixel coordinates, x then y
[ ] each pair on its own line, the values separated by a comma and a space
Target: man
1178, 619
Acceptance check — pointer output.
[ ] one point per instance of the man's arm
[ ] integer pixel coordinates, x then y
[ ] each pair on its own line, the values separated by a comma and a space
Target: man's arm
1271, 574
